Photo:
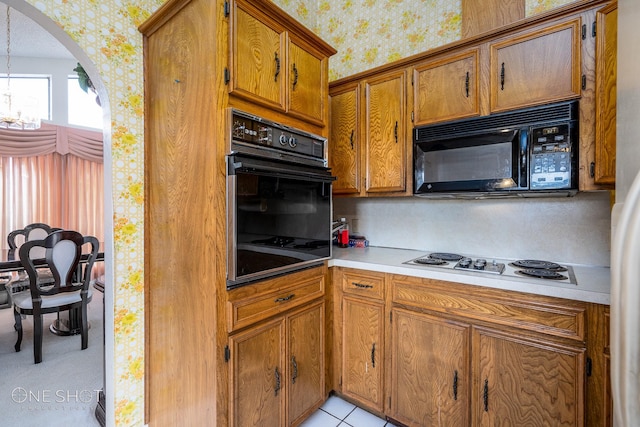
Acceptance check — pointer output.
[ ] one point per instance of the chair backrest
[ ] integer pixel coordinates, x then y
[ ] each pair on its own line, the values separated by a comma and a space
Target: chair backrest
35, 231
62, 252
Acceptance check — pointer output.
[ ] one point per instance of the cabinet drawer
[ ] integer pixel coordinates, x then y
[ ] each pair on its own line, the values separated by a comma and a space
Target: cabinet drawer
551, 316
253, 303
367, 284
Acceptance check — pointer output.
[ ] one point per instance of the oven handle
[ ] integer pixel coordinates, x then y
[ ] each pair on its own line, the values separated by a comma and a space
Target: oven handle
235, 165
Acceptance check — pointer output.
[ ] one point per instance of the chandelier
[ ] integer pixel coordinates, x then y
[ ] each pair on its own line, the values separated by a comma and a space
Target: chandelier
16, 111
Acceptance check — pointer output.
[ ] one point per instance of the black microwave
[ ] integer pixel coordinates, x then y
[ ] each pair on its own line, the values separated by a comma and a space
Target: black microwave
531, 152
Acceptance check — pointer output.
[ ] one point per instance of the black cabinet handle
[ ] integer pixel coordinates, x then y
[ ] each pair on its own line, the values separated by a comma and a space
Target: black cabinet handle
294, 364
502, 77
485, 396
466, 84
277, 375
395, 132
275, 78
361, 285
351, 138
295, 75
373, 355
455, 385
283, 299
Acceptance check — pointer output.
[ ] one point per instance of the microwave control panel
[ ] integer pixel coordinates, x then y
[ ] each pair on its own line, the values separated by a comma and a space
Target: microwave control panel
551, 157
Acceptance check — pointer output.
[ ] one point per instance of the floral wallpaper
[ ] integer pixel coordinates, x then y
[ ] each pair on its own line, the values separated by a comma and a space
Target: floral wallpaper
370, 33
366, 33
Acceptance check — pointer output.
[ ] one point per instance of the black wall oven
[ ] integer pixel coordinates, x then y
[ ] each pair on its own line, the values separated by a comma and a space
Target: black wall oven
278, 199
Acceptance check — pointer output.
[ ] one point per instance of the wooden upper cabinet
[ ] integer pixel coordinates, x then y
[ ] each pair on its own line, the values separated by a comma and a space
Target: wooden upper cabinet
606, 77
307, 83
536, 67
385, 133
344, 140
446, 89
258, 56
277, 63
481, 16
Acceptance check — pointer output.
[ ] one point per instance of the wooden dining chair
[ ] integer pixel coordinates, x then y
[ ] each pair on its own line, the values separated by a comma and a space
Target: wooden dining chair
68, 290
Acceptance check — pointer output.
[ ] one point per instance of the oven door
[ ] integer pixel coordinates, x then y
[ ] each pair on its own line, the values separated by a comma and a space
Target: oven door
486, 162
278, 218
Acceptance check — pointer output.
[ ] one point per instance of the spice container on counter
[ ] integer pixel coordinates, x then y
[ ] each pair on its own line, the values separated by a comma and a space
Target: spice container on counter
343, 234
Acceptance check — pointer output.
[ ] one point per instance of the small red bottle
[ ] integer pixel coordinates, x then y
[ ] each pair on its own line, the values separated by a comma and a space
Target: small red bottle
343, 235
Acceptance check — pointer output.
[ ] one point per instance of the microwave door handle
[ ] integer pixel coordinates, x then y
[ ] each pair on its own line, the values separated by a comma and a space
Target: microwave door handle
524, 158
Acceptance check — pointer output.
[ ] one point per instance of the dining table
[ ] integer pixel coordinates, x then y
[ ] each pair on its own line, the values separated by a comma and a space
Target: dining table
64, 326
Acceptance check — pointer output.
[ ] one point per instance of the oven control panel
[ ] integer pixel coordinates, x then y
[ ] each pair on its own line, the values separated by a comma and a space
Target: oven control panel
254, 135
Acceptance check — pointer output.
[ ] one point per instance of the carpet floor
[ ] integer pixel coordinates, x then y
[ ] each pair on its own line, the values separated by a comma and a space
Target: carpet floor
62, 390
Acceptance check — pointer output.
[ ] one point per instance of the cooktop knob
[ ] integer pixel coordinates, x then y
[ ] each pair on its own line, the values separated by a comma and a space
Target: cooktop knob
480, 264
292, 142
464, 262
283, 139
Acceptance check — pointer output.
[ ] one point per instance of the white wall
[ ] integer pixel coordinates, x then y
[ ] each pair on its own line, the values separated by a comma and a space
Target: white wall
572, 230
58, 69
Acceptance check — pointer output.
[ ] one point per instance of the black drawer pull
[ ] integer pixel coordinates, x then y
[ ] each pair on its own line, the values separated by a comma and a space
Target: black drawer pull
283, 299
277, 375
455, 385
373, 355
362, 285
485, 396
277, 60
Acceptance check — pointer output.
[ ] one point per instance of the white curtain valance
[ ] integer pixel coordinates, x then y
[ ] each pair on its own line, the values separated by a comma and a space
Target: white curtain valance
51, 138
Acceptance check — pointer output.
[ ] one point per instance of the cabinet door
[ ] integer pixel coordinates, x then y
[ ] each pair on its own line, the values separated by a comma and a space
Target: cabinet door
446, 89
306, 362
534, 383
385, 135
344, 141
536, 68
606, 77
307, 92
258, 62
429, 371
363, 351
257, 376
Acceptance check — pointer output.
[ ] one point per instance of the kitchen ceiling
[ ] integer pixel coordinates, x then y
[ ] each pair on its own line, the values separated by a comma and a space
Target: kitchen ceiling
29, 39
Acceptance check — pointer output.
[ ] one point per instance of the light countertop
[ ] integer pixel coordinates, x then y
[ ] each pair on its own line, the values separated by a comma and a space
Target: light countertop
593, 283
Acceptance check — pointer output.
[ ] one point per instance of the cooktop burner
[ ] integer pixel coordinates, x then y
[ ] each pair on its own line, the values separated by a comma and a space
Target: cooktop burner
430, 261
542, 273
537, 269
537, 264
445, 256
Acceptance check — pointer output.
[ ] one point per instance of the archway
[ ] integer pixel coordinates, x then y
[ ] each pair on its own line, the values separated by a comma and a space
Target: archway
82, 57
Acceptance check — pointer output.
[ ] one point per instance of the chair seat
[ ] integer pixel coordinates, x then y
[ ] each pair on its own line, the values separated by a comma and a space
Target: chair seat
23, 299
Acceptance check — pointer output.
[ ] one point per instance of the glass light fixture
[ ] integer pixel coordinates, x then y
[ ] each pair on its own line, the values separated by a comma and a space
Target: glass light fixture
16, 112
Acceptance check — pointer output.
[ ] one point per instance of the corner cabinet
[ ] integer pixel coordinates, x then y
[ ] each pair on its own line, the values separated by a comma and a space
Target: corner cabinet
276, 350
369, 144
536, 67
277, 68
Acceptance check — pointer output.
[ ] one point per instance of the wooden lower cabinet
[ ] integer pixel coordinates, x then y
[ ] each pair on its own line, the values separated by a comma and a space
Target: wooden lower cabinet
429, 370
272, 387
527, 382
459, 355
363, 352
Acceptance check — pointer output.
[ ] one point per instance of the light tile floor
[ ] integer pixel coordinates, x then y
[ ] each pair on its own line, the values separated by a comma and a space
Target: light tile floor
338, 412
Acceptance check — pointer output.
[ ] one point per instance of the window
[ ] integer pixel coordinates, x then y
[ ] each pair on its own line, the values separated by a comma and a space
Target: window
35, 89
83, 108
